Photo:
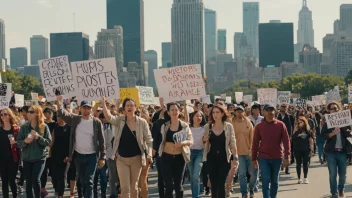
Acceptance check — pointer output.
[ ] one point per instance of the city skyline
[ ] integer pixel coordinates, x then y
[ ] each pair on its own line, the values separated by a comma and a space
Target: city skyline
91, 19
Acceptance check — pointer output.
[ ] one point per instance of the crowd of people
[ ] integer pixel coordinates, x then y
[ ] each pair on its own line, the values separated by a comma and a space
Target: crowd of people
213, 145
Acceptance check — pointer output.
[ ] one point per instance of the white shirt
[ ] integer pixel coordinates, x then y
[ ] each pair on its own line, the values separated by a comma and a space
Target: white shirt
197, 134
85, 137
256, 121
108, 134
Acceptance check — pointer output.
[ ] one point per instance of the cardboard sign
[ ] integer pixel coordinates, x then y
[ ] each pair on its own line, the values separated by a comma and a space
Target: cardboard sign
283, 97
56, 75
239, 97
180, 83
146, 95
301, 103
319, 100
310, 103
333, 95
129, 93
228, 100
95, 78
248, 99
34, 96
19, 99
267, 96
338, 119
156, 101
223, 96
206, 99
5, 95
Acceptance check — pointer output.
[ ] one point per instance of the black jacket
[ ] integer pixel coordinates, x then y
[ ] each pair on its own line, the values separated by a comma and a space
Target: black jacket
331, 142
288, 121
156, 134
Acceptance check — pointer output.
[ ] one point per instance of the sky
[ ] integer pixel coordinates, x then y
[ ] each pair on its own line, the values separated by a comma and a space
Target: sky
24, 18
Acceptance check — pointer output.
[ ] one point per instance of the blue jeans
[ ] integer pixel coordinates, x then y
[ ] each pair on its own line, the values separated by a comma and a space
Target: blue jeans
33, 172
270, 169
85, 167
103, 181
246, 164
337, 163
194, 167
320, 143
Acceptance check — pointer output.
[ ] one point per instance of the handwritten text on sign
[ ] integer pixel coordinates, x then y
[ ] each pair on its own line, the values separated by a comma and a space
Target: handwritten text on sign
5, 95
180, 83
283, 97
267, 96
339, 119
96, 78
56, 75
146, 95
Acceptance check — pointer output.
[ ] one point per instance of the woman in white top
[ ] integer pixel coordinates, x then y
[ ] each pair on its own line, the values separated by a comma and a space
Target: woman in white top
197, 122
256, 118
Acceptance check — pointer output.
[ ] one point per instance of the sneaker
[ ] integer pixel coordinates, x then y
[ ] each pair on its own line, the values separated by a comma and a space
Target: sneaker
299, 181
341, 193
251, 194
305, 181
244, 196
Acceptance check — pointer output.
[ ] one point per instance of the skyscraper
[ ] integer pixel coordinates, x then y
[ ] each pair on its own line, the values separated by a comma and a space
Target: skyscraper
18, 57
326, 66
2, 40
166, 54
311, 58
222, 41
187, 33
336, 26
73, 44
345, 17
210, 34
109, 43
130, 16
275, 44
151, 57
250, 25
341, 53
39, 48
305, 32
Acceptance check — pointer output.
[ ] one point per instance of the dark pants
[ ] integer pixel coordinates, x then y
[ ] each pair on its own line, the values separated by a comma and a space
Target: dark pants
218, 171
161, 185
58, 175
302, 156
21, 180
46, 172
86, 165
8, 177
173, 168
33, 171
205, 178
101, 173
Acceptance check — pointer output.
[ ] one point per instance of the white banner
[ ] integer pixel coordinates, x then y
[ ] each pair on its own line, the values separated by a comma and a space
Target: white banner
19, 99
248, 99
5, 95
96, 78
339, 119
239, 97
180, 83
267, 96
228, 100
283, 97
34, 96
146, 95
333, 95
206, 99
319, 100
56, 75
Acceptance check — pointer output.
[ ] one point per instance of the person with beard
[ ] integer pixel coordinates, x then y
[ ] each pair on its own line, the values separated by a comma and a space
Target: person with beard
267, 150
288, 120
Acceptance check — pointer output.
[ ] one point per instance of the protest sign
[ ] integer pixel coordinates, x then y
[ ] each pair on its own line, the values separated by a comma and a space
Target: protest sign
349, 93
319, 100
180, 136
283, 97
338, 119
310, 103
223, 96
19, 98
146, 95
206, 99
5, 95
95, 78
180, 83
56, 75
248, 99
34, 96
239, 97
228, 100
157, 101
301, 103
129, 93
267, 96
333, 95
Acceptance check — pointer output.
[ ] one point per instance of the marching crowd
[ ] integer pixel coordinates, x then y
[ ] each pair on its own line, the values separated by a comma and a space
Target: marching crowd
212, 145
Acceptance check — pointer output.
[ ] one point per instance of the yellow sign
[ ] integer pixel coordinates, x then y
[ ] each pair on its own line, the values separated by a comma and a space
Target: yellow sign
129, 93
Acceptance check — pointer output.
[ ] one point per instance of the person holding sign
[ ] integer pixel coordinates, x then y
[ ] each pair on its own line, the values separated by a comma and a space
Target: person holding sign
336, 148
34, 138
219, 149
174, 151
132, 146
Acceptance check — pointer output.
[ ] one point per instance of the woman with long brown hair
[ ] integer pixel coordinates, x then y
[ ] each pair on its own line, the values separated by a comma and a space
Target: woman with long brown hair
303, 146
33, 139
9, 154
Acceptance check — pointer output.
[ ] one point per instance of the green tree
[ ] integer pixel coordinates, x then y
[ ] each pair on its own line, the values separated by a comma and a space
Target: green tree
348, 78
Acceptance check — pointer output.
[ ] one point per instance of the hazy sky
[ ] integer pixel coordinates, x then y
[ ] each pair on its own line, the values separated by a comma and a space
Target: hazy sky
24, 18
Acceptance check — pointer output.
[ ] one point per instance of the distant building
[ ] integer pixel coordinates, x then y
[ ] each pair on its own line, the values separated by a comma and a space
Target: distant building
275, 44
18, 57
32, 70
326, 65
345, 17
341, 53
222, 41
39, 48
73, 44
336, 26
221, 60
311, 59
151, 57
289, 68
2, 40
305, 32
272, 73
250, 25
210, 34
166, 56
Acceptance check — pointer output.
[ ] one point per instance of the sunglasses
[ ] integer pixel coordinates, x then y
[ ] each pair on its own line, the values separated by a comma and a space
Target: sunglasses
31, 112
333, 109
4, 114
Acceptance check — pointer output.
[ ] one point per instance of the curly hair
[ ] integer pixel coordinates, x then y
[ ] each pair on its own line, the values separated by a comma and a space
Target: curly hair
13, 117
40, 118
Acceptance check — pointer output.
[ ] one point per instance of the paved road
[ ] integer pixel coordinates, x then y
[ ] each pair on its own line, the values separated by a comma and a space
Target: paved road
317, 188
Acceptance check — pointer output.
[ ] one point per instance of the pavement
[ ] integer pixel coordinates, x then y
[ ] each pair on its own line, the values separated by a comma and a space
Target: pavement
318, 186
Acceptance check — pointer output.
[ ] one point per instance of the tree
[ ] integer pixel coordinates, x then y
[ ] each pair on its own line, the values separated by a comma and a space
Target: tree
348, 78
22, 84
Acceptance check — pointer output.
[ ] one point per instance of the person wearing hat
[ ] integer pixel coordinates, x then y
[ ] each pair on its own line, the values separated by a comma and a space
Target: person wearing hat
255, 116
87, 143
267, 151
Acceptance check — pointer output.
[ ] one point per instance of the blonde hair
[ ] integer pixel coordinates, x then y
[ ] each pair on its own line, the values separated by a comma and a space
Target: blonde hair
13, 117
40, 118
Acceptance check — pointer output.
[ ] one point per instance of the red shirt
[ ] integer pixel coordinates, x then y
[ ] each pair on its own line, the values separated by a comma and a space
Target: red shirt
268, 139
